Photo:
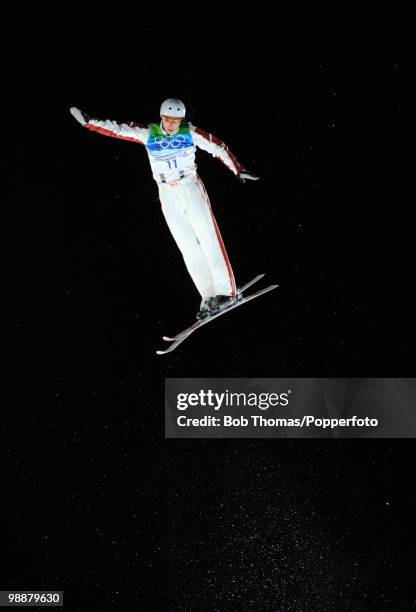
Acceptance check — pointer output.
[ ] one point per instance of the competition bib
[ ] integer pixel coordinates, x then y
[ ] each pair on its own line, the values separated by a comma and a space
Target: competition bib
170, 155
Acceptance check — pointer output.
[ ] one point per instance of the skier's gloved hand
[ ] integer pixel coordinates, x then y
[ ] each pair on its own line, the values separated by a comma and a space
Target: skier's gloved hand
79, 115
246, 175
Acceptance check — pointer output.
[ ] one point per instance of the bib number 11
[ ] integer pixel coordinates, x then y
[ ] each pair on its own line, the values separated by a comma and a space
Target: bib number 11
170, 163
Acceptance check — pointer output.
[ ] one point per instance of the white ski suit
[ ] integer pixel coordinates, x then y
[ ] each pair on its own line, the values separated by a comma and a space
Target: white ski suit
183, 197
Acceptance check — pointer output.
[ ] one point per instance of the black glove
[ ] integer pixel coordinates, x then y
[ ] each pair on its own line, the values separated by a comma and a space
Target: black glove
79, 115
245, 175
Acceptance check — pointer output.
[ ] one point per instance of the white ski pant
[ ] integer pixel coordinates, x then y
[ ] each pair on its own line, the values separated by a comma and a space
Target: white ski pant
189, 216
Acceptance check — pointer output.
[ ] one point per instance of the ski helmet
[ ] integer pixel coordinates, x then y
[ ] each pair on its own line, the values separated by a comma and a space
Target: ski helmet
172, 107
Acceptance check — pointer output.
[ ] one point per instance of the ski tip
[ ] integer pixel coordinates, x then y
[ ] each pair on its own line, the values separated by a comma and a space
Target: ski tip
160, 352
168, 338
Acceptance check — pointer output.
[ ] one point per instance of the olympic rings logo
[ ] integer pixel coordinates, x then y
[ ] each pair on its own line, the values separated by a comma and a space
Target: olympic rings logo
170, 143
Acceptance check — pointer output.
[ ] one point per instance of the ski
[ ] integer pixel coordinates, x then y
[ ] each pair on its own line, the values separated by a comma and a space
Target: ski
247, 285
239, 296
179, 338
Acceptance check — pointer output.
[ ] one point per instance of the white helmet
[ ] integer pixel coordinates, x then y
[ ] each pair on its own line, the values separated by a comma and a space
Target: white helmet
172, 107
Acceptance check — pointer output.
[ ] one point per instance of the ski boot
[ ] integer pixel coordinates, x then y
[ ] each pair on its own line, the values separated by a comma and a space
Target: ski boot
203, 309
213, 305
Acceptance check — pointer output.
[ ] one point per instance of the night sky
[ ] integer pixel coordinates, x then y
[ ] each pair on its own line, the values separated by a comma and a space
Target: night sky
107, 509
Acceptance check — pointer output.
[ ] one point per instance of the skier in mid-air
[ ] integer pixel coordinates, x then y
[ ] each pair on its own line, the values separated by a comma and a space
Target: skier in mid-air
171, 146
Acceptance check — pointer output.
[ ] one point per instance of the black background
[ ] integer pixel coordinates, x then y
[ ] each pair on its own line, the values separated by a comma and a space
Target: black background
106, 508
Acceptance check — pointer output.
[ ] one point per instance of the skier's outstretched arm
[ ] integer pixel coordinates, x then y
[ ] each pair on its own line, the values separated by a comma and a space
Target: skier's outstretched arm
219, 149
126, 131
